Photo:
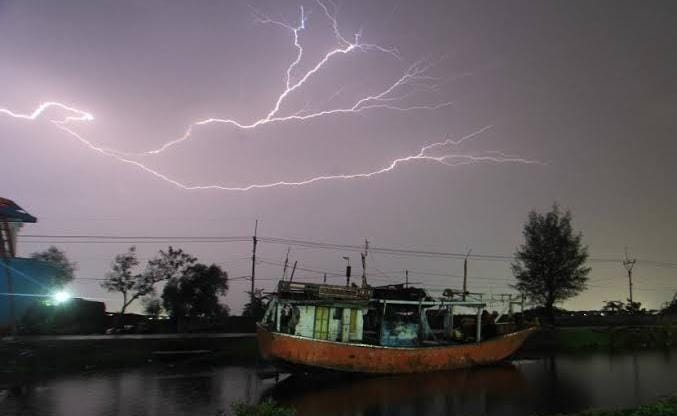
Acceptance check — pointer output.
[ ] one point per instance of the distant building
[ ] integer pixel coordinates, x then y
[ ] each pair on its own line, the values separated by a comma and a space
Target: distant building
22, 281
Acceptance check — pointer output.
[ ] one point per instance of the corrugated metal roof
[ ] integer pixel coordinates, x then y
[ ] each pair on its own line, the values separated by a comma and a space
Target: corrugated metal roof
10, 211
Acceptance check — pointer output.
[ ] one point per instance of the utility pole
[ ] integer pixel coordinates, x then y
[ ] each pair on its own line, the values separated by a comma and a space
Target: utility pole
629, 263
406, 278
254, 240
325, 278
465, 274
364, 263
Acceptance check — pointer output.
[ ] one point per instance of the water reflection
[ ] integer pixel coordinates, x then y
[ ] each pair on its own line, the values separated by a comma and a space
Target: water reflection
557, 384
149, 391
485, 391
435, 393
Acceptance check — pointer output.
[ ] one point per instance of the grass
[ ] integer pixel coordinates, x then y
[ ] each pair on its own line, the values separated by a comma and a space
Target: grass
606, 338
583, 338
665, 407
266, 408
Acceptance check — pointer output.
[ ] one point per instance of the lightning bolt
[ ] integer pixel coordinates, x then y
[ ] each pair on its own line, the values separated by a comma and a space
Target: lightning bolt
415, 77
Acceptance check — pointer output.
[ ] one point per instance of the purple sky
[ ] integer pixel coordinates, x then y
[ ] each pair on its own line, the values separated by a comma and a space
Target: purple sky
587, 88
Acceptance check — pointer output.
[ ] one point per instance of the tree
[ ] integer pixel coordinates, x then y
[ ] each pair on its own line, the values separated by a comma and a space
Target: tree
255, 308
65, 269
550, 265
671, 306
634, 308
196, 293
122, 279
152, 305
167, 265
613, 306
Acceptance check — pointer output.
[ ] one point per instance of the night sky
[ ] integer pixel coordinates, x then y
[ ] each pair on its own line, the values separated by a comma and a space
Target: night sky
585, 89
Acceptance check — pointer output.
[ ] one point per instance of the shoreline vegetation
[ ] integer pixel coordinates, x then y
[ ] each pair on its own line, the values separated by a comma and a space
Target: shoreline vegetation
599, 338
663, 407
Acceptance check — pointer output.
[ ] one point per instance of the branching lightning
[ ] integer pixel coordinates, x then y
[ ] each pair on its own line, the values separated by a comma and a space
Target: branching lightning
416, 77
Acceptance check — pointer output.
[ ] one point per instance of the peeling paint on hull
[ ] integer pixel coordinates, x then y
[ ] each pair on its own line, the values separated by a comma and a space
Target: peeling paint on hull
373, 359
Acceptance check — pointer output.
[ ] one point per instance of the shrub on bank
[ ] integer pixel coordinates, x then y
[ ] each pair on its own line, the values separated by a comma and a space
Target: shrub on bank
665, 407
266, 408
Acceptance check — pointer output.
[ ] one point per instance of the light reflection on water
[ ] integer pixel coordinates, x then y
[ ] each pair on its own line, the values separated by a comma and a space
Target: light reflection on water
563, 383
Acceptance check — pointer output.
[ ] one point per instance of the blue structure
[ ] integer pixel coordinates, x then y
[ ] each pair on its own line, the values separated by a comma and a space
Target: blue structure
22, 281
30, 284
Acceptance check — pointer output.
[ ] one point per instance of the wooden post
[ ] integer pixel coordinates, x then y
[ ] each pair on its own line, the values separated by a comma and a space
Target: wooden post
478, 333
383, 319
449, 322
451, 318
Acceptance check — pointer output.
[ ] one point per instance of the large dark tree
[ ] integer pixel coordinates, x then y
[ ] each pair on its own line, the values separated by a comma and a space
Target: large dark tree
196, 293
65, 269
550, 265
122, 278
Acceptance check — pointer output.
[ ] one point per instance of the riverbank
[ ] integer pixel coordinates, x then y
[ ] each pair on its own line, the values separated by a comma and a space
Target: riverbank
45, 355
573, 339
38, 356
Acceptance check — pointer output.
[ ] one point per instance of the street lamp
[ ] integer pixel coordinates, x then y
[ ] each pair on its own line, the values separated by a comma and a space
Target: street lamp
61, 297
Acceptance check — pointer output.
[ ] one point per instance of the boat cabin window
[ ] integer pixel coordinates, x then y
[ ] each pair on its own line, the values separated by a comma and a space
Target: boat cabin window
338, 313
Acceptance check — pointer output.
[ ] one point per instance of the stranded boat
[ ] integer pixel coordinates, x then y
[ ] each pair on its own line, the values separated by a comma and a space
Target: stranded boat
381, 330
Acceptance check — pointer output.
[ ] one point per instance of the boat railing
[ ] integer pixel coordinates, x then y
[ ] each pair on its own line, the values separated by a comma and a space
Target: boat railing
432, 303
323, 291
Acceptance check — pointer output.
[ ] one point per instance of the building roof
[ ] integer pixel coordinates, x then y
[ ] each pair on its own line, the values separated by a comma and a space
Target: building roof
11, 212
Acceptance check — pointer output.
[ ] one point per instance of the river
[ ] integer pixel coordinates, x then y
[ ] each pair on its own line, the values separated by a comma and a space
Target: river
554, 384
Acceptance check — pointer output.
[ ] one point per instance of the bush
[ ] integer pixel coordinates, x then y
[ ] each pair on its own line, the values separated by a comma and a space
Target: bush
267, 408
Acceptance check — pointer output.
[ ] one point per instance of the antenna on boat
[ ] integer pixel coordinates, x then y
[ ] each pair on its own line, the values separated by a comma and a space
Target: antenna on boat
293, 270
465, 274
348, 269
364, 263
629, 263
286, 263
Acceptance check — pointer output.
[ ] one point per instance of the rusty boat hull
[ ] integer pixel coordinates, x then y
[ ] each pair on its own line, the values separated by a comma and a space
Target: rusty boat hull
291, 351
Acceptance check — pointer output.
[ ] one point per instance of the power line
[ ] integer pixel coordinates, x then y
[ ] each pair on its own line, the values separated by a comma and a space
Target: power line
137, 237
99, 239
131, 241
